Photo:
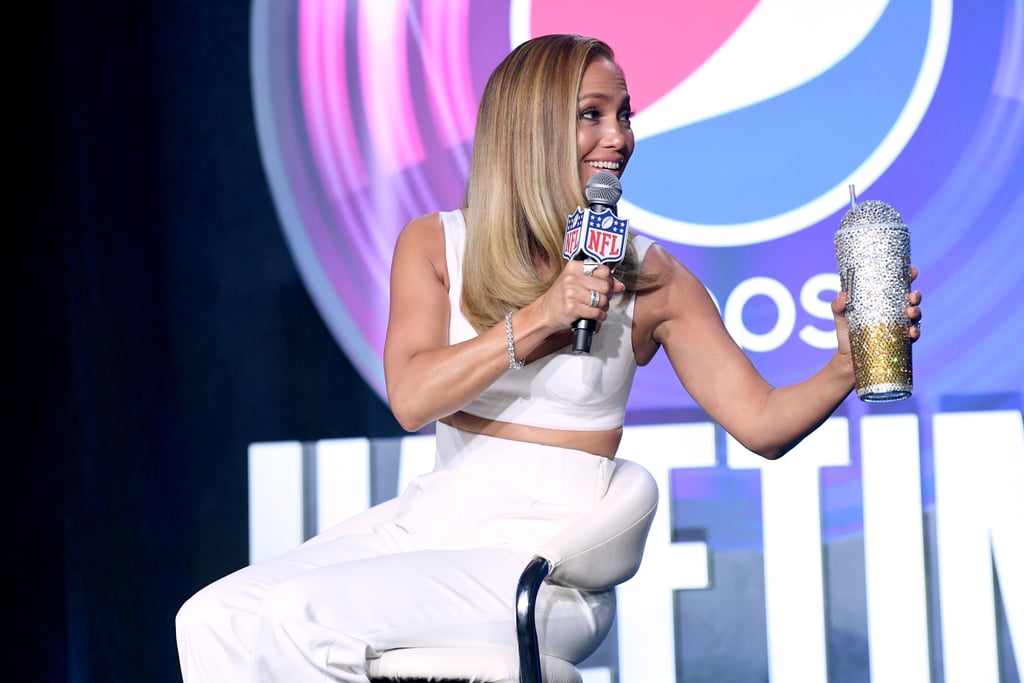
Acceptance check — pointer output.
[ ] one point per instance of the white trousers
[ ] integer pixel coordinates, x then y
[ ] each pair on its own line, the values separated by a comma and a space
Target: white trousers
436, 566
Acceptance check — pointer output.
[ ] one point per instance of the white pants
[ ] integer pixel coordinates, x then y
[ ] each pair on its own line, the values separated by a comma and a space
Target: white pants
437, 566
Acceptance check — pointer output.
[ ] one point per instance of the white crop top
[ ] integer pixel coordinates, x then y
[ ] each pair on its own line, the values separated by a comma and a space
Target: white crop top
562, 390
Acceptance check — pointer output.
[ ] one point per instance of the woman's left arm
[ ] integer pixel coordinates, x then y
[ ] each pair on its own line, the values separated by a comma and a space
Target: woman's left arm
680, 316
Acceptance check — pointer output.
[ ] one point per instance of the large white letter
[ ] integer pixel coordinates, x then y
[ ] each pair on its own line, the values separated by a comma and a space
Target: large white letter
979, 511
276, 498
646, 624
894, 550
819, 308
793, 573
342, 480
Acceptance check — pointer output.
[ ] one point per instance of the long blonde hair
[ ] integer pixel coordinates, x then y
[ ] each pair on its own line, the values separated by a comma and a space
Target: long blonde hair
524, 179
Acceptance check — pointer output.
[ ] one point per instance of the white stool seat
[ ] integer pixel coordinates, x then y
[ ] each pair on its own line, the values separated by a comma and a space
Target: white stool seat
596, 553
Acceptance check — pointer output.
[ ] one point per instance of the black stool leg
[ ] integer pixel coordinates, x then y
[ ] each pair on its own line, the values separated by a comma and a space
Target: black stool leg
526, 624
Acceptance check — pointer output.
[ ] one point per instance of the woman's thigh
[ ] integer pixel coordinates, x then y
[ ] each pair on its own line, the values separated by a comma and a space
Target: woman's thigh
433, 598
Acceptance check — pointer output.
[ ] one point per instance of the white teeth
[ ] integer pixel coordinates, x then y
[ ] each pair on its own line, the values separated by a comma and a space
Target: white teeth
608, 165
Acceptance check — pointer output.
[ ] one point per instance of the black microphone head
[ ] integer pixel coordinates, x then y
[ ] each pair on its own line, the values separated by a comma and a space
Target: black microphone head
603, 189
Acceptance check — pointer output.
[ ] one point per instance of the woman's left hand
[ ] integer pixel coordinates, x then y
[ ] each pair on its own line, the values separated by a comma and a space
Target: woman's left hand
912, 311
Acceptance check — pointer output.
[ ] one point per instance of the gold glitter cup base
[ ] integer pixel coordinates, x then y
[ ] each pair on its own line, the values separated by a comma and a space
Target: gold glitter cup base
882, 363
883, 393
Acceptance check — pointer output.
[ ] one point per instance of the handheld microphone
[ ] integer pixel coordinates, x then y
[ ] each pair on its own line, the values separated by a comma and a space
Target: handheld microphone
603, 191
597, 236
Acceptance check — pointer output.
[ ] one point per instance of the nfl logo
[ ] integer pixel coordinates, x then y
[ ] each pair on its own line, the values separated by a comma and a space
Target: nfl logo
605, 237
597, 235
573, 235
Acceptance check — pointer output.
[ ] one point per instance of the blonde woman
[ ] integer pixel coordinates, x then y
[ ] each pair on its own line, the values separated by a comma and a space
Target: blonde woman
482, 303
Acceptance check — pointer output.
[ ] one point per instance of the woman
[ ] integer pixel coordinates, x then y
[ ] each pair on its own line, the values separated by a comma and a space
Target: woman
481, 308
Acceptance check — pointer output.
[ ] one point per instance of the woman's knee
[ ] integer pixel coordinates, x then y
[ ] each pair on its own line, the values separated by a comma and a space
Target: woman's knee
286, 606
574, 623
196, 612
217, 608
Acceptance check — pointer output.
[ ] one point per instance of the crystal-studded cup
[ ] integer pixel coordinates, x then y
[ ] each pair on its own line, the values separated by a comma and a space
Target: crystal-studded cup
873, 252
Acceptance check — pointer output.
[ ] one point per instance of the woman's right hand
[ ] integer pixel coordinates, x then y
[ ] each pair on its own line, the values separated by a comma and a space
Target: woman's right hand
570, 296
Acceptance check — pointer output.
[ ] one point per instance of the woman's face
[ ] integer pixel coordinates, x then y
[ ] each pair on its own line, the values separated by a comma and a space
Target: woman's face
604, 137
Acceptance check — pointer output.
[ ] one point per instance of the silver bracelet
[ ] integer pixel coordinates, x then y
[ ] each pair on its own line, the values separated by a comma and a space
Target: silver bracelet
513, 364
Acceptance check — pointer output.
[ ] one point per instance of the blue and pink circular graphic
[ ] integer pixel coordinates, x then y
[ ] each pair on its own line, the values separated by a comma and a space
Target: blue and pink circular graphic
753, 118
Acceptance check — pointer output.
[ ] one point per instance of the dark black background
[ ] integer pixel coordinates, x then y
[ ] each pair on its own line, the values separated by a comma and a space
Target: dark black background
159, 326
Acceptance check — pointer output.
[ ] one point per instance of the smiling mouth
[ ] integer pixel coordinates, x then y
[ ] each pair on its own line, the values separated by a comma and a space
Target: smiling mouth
605, 165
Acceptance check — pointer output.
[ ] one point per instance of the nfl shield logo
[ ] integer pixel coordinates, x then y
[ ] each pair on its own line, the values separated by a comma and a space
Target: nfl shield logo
605, 238
597, 235
573, 234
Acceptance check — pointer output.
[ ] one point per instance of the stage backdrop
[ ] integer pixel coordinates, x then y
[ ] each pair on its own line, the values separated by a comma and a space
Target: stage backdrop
889, 545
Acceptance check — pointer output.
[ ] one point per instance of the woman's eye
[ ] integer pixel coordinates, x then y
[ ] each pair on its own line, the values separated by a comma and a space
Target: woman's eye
623, 117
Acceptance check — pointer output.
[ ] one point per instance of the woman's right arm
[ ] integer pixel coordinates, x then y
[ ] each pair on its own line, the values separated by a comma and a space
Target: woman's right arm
427, 378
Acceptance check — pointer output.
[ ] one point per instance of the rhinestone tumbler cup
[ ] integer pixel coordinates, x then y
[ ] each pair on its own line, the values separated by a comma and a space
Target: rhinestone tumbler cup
873, 251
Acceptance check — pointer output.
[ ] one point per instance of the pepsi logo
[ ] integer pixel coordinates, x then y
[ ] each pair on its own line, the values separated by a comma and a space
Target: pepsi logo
753, 118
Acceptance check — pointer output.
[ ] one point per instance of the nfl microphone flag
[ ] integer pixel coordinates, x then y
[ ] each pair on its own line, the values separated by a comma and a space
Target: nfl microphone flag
597, 236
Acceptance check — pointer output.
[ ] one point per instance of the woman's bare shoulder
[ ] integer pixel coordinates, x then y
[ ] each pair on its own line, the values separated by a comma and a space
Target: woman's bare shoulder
661, 266
677, 295
425, 228
422, 239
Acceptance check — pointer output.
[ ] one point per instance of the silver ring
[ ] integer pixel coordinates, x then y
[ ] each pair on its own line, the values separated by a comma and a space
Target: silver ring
595, 298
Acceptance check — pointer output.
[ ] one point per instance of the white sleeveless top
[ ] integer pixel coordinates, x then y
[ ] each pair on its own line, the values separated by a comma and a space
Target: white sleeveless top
562, 390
